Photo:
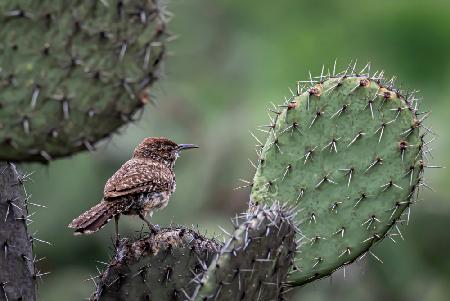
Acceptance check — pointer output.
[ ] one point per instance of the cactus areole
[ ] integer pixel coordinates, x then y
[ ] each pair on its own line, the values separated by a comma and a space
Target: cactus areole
348, 152
71, 73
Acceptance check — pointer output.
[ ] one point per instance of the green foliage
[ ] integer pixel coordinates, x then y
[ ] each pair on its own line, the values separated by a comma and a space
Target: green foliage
73, 72
348, 152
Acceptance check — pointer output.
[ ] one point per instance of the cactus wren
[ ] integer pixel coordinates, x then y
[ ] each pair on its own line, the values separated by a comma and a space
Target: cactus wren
143, 184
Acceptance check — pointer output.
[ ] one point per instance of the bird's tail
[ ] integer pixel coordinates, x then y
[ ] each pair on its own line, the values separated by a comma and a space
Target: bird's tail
95, 218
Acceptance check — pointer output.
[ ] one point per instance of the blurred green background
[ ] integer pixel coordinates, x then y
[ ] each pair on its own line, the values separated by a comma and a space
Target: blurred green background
232, 58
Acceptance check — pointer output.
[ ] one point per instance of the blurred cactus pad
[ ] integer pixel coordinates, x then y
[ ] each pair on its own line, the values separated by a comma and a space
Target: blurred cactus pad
73, 72
347, 150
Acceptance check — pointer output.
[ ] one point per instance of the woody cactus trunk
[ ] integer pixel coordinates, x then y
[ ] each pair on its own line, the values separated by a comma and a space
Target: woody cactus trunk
18, 272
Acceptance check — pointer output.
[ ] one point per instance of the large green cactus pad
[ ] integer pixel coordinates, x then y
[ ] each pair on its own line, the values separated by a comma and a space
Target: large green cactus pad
72, 72
254, 263
347, 152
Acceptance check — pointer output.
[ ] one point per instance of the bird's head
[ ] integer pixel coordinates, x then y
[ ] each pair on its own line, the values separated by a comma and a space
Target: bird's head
160, 149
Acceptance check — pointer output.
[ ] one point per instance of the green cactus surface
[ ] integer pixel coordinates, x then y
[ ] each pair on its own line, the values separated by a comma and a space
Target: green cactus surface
73, 72
254, 263
346, 149
159, 267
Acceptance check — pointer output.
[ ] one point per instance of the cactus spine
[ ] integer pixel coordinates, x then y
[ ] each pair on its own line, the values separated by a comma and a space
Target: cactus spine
73, 72
348, 152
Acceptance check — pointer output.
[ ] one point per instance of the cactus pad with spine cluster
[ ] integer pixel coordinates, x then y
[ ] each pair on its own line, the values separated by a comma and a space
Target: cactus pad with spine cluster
180, 264
254, 263
72, 72
348, 153
156, 268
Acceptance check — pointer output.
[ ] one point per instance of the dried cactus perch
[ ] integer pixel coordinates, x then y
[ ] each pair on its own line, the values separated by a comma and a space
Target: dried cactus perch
348, 151
156, 268
180, 264
73, 72
254, 263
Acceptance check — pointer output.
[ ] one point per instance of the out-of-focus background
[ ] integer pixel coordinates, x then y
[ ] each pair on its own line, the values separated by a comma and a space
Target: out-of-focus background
233, 58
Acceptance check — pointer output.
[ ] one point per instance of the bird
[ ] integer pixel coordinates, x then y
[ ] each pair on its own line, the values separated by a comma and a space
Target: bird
140, 186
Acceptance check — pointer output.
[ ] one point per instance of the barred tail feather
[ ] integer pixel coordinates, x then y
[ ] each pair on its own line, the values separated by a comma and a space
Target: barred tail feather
95, 218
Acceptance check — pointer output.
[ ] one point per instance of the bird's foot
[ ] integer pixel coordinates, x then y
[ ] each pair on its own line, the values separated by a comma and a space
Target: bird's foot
154, 229
117, 241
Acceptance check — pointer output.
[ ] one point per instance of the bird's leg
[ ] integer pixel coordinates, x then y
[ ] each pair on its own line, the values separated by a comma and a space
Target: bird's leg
150, 226
116, 224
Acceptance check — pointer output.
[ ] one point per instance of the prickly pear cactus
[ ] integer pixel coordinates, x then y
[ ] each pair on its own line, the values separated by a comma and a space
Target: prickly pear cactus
157, 268
254, 263
180, 264
347, 152
72, 72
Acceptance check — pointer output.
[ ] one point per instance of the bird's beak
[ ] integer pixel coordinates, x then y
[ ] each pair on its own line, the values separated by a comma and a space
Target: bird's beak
186, 146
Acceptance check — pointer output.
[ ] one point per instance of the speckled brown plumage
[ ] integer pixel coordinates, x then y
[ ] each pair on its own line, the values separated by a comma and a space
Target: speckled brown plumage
140, 186
139, 175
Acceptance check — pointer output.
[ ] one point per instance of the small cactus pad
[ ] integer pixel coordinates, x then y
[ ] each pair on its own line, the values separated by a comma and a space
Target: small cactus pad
73, 72
254, 263
347, 152
159, 267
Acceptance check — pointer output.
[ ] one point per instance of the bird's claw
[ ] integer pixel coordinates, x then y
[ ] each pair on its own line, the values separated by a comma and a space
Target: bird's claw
117, 240
154, 229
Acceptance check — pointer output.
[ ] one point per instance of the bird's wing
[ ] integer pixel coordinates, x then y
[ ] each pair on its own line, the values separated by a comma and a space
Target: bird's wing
139, 175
